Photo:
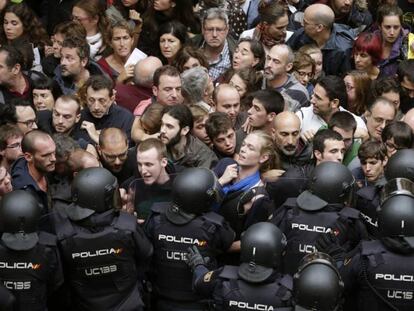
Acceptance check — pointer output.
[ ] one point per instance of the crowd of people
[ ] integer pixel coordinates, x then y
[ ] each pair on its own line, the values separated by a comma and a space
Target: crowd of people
206, 154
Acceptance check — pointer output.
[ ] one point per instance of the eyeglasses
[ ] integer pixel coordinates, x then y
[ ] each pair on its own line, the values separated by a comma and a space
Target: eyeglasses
28, 123
217, 30
303, 74
15, 145
113, 157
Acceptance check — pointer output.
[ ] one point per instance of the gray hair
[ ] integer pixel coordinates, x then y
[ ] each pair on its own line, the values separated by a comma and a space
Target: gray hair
215, 13
194, 83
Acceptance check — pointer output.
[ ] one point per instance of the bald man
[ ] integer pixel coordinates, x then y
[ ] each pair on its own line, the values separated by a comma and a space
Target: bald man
409, 118
334, 40
129, 95
292, 150
114, 154
226, 99
279, 62
81, 159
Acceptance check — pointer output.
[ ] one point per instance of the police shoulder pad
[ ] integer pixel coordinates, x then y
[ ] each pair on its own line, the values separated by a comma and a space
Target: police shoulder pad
229, 272
47, 239
290, 203
371, 247
367, 192
350, 212
126, 221
160, 207
287, 281
214, 218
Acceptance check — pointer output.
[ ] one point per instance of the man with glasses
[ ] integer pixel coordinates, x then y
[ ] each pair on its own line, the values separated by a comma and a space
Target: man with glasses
114, 154
25, 114
378, 114
335, 40
10, 145
217, 46
101, 111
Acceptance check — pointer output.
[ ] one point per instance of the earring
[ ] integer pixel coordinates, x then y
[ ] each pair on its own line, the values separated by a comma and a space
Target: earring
173, 4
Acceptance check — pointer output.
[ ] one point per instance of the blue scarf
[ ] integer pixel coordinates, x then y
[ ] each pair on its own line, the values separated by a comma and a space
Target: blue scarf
243, 184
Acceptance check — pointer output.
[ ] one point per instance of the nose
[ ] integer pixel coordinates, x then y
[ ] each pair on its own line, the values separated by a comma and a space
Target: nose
60, 119
162, 129
34, 126
53, 158
289, 140
340, 157
306, 79
249, 112
383, 124
174, 93
117, 160
95, 106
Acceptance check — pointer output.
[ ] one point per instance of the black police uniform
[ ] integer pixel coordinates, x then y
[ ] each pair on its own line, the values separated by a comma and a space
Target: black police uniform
7, 300
102, 255
303, 228
231, 292
379, 278
32, 275
171, 275
367, 201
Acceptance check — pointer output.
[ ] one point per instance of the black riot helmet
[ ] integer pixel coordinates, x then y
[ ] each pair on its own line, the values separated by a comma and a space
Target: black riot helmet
330, 183
262, 245
396, 217
400, 165
19, 218
95, 189
317, 285
194, 192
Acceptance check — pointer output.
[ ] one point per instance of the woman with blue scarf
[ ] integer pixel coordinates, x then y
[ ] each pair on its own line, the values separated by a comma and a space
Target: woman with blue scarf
245, 200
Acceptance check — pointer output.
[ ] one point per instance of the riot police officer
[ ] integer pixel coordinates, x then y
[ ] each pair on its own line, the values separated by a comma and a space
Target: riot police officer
381, 275
102, 247
400, 165
317, 285
174, 226
317, 213
30, 266
257, 283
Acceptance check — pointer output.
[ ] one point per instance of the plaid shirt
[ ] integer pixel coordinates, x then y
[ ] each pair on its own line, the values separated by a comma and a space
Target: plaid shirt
219, 67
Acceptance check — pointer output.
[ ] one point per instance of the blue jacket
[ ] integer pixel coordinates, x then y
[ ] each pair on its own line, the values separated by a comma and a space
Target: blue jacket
336, 52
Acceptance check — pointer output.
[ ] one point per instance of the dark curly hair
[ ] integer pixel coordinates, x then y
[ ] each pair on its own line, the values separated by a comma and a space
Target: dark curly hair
33, 29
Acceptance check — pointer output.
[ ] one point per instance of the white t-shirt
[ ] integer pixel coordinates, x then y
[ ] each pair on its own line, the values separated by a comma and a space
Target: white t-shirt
311, 121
